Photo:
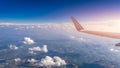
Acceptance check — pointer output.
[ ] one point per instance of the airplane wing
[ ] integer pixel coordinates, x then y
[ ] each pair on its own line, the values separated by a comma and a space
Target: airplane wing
103, 34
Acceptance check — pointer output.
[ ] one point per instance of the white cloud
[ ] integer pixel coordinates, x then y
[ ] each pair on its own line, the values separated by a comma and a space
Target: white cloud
28, 40
59, 61
13, 47
32, 60
114, 50
49, 61
31, 52
6, 23
44, 48
77, 38
17, 59
37, 48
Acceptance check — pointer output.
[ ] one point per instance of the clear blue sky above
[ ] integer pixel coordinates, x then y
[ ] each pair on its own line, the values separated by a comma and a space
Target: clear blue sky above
30, 11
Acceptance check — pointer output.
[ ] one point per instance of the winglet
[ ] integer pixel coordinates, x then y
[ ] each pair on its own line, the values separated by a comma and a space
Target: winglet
76, 23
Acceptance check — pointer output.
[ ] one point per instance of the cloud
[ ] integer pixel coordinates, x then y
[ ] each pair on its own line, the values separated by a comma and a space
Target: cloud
13, 47
32, 60
17, 59
44, 48
32, 52
6, 24
37, 48
28, 41
59, 61
77, 38
72, 37
49, 61
114, 50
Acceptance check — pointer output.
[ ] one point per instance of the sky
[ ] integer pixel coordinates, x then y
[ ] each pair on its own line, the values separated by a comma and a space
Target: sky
58, 11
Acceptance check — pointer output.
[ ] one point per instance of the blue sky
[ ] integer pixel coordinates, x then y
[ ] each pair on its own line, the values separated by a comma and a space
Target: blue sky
37, 11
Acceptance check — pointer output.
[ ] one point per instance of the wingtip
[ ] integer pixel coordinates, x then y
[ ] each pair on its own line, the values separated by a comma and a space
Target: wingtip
72, 17
76, 23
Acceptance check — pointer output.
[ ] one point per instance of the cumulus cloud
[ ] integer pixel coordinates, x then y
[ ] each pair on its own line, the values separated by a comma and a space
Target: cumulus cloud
37, 48
32, 60
28, 41
13, 47
44, 48
49, 61
17, 59
59, 61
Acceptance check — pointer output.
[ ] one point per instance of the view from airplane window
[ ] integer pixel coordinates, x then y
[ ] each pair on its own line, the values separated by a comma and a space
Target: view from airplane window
59, 33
